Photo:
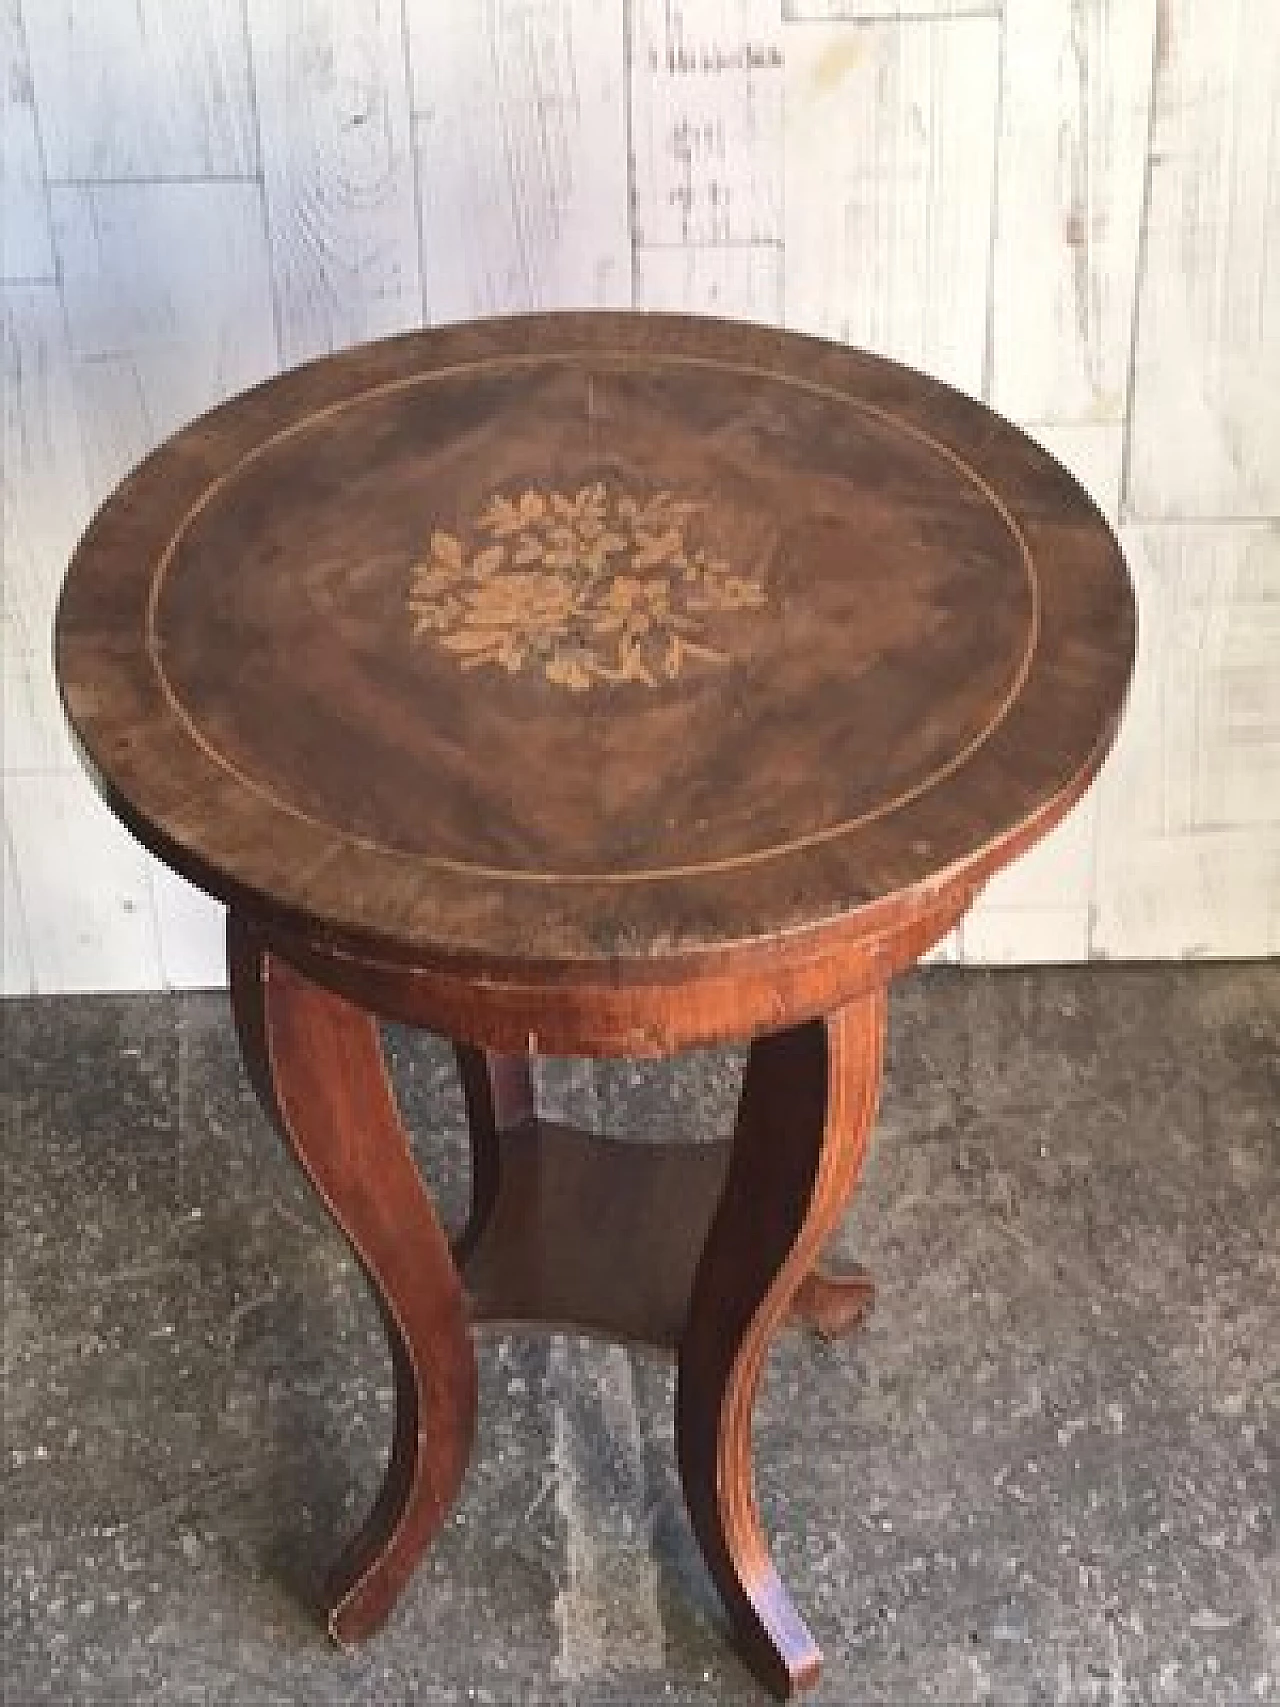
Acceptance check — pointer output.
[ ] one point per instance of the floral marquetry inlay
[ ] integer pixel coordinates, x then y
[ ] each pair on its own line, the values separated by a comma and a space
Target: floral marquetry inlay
586, 587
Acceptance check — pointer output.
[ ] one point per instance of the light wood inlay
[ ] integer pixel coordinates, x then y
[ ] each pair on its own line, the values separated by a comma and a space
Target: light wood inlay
589, 587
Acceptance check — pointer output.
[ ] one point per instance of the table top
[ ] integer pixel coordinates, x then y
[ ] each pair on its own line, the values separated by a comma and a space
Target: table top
591, 640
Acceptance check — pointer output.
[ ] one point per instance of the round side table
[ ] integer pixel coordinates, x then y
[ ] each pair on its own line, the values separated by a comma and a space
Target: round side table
606, 685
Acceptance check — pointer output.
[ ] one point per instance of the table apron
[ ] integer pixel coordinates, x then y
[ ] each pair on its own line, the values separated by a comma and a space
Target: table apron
658, 1016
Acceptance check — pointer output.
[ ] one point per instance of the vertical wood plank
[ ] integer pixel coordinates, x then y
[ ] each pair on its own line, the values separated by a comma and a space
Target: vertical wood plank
33, 736
337, 163
706, 106
739, 281
1189, 804
1025, 936
17, 977
1038, 911
1093, 451
46, 503
1075, 116
168, 302
1206, 401
520, 132
1075, 107
26, 247
816, 11
84, 888
192, 933
151, 89
46, 498
1208, 896
890, 139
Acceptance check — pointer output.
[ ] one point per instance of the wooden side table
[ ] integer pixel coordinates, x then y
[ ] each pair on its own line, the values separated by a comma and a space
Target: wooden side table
603, 685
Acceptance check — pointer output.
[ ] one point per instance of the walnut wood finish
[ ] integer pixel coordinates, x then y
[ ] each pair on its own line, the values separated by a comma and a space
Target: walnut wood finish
591, 684
656, 1010
926, 675
317, 1065
808, 1102
498, 1093
603, 1238
595, 1236
702, 1249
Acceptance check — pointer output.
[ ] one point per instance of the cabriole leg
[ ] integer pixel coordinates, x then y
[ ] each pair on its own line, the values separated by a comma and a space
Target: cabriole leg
316, 1063
807, 1107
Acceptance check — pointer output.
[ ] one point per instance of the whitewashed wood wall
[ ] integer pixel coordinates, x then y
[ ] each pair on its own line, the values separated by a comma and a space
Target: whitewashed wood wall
1068, 207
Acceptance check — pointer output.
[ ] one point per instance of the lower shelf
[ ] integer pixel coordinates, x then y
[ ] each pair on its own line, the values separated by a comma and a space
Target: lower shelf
594, 1235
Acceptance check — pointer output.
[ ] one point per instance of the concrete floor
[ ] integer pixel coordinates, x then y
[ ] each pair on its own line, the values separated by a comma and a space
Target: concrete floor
1047, 1471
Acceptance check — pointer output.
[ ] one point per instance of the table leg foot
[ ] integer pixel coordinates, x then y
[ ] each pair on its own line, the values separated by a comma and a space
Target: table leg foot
835, 1302
808, 1103
316, 1063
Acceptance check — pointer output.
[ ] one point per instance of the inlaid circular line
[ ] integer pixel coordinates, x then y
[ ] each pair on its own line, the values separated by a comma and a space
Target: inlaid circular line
625, 359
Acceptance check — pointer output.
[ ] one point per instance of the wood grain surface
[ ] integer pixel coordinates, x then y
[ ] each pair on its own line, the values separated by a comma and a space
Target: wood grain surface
525, 106
316, 1063
880, 242
1066, 208
703, 1249
337, 171
706, 121
804, 1120
933, 669
148, 90
1203, 428
26, 250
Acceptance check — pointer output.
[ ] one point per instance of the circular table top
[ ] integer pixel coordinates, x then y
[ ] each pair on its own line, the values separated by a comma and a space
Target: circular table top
593, 639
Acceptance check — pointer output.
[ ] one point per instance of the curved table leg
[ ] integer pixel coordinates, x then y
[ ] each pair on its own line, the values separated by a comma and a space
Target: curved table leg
808, 1103
316, 1062
498, 1091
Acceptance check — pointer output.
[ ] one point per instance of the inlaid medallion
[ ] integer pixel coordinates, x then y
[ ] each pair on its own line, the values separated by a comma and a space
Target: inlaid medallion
585, 587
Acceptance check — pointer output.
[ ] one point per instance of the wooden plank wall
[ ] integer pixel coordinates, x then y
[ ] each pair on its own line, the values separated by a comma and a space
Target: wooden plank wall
1068, 207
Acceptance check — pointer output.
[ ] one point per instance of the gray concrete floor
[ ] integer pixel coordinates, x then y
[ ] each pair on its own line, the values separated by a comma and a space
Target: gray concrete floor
1047, 1471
